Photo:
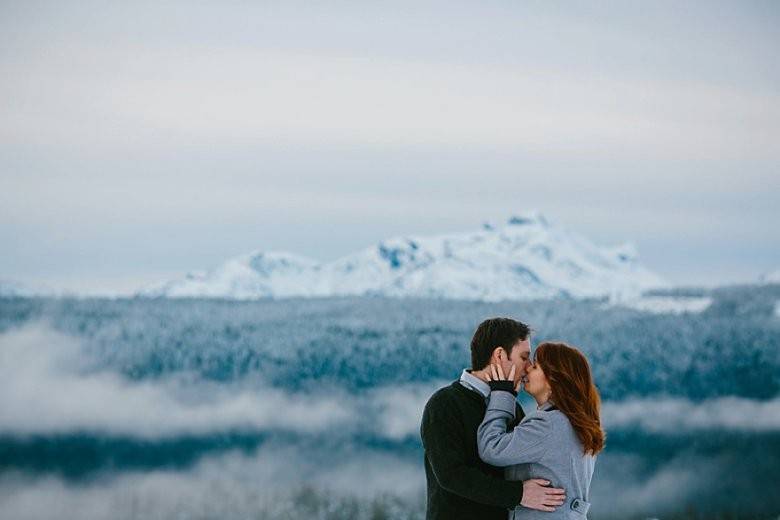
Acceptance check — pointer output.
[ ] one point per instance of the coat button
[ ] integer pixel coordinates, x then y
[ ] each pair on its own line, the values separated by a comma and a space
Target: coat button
575, 504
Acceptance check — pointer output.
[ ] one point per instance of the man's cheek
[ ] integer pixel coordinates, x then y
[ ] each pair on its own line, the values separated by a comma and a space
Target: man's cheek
507, 368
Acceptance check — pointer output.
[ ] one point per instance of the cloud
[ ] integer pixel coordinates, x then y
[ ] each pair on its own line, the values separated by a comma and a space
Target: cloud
668, 415
274, 482
400, 408
668, 488
46, 387
241, 96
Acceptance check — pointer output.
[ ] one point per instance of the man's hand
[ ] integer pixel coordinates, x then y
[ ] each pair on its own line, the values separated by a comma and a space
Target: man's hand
537, 496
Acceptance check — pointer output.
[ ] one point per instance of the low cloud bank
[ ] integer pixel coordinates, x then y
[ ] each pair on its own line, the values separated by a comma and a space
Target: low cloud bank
670, 415
284, 482
622, 488
47, 387
403, 409
274, 482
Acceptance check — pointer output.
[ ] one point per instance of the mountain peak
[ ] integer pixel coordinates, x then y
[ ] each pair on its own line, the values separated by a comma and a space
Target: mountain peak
532, 217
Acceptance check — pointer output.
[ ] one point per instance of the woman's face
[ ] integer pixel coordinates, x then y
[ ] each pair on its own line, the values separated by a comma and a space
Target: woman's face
537, 384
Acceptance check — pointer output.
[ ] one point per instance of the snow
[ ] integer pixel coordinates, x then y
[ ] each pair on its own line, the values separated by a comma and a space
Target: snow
667, 304
527, 258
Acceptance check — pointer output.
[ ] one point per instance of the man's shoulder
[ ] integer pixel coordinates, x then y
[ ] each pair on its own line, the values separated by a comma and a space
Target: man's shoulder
453, 396
441, 409
445, 394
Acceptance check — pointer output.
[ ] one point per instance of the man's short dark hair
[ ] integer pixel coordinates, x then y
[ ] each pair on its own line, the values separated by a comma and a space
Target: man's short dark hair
492, 333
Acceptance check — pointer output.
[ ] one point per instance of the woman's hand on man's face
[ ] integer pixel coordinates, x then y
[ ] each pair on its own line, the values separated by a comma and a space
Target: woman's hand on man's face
497, 373
497, 380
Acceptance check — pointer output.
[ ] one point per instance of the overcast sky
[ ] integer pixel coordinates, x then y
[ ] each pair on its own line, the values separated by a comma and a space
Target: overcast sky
141, 140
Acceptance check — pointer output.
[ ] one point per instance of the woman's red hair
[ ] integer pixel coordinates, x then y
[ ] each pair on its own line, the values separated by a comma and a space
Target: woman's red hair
573, 391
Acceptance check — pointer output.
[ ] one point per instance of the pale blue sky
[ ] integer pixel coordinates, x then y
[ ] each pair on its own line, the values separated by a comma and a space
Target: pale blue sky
139, 141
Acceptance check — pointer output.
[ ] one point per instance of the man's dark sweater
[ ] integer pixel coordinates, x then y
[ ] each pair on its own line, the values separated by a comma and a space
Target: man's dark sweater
460, 485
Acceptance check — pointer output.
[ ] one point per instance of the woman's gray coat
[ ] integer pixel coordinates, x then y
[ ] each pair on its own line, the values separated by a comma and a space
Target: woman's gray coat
544, 445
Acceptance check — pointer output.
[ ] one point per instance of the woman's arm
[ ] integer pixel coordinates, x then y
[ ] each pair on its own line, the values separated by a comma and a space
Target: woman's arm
526, 443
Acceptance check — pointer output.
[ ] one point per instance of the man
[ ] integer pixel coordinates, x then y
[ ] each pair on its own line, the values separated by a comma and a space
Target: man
460, 485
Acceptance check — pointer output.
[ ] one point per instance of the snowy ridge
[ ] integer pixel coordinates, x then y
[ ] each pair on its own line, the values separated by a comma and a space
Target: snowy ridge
250, 276
528, 258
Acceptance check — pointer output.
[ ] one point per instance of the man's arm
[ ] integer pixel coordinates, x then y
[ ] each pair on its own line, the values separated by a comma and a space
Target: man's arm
446, 449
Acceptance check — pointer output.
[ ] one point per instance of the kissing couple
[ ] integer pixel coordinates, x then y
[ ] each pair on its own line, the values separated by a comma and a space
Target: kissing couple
485, 459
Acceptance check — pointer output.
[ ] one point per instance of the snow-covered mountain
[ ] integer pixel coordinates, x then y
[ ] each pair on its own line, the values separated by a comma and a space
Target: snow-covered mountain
527, 258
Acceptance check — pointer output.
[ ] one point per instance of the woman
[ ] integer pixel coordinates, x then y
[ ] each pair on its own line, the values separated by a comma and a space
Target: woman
557, 442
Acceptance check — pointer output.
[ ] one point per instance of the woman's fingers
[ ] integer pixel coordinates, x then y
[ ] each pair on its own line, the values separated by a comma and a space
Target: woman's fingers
496, 373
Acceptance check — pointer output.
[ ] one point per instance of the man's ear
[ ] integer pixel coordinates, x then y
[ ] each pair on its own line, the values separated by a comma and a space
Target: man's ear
497, 353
